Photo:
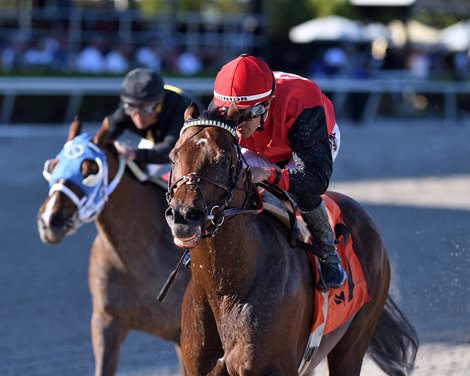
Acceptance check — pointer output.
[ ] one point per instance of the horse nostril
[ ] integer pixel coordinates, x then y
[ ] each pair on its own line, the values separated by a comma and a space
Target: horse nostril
192, 217
174, 216
195, 216
169, 213
57, 221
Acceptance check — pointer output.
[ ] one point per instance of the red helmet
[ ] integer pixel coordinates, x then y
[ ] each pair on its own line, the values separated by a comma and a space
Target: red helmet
247, 80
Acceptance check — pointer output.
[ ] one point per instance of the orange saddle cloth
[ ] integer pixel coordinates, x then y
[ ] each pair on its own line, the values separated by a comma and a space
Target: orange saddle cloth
344, 302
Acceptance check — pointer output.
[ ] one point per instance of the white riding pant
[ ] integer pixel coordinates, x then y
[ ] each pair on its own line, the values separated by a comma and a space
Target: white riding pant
152, 169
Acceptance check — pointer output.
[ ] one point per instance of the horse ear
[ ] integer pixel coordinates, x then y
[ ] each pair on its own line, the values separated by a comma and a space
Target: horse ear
100, 135
233, 113
75, 128
192, 112
196, 111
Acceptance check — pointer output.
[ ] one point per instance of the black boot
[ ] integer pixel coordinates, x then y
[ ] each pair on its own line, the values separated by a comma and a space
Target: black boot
332, 275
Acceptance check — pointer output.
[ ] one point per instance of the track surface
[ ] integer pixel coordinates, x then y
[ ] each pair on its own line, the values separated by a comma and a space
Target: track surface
414, 180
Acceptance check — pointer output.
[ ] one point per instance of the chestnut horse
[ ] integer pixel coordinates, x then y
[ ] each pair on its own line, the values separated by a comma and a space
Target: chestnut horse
132, 253
248, 308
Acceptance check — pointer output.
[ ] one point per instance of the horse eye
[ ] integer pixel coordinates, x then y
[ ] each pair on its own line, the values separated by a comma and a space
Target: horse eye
224, 162
172, 157
89, 167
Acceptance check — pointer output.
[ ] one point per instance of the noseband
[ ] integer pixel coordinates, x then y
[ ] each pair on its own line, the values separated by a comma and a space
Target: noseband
217, 212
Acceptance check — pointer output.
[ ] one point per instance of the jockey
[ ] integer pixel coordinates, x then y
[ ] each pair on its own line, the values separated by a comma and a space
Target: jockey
289, 136
153, 111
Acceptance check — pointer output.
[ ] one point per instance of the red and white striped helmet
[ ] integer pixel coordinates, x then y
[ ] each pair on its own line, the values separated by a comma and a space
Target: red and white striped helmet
247, 80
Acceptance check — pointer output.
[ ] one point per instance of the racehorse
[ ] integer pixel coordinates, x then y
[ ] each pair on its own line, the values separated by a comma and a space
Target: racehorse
248, 308
132, 253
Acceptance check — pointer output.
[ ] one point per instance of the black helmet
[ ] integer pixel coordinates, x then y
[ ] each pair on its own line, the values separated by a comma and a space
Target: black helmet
141, 85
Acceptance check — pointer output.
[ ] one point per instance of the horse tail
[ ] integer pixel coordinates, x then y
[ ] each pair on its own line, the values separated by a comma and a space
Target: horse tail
395, 342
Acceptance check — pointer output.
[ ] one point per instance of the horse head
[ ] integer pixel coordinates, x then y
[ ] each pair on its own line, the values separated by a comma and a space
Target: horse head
78, 184
206, 168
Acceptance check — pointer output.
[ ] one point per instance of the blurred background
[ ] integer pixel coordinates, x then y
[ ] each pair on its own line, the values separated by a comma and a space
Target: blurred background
374, 58
397, 72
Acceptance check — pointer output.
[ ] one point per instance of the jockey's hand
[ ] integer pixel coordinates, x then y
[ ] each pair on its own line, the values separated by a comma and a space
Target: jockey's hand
125, 151
259, 174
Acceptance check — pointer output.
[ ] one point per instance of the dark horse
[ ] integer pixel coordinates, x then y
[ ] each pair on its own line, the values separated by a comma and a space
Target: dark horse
248, 308
133, 251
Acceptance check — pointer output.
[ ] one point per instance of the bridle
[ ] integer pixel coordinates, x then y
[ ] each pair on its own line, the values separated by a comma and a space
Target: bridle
216, 214
95, 189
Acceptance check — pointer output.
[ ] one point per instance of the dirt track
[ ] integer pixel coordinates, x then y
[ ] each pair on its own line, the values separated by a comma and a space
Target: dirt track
414, 180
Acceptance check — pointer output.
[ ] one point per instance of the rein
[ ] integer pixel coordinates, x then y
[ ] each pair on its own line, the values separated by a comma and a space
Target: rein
217, 213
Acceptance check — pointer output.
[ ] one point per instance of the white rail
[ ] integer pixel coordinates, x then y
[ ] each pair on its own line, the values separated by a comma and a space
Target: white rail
75, 89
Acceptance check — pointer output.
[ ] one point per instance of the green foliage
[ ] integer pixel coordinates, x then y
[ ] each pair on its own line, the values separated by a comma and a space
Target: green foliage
150, 6
191, 5
323, 8
283, 14
439, 20
9, 4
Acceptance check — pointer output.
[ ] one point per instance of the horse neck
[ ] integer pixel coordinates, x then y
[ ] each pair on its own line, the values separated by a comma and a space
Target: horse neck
231, 258
132, 218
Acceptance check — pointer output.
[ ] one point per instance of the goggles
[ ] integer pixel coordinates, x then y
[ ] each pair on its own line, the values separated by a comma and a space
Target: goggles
252, 112
144, 109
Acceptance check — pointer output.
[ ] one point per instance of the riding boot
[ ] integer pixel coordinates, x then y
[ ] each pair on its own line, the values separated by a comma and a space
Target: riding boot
332, 275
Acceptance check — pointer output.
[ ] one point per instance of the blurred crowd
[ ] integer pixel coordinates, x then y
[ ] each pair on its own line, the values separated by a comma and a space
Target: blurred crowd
98, 57
105, 40
419, 62
194, 45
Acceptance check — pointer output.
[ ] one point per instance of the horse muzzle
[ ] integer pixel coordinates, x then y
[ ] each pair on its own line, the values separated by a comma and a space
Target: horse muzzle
51, 234
186, 225
54, 226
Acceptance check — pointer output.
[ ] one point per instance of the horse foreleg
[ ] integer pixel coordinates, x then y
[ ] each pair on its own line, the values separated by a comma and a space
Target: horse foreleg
220, 369
180, 361
107, 334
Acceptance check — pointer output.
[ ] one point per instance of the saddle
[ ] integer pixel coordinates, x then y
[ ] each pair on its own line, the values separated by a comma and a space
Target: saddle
160, 179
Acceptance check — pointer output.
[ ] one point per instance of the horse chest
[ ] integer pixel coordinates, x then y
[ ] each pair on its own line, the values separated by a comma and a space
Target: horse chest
238, 326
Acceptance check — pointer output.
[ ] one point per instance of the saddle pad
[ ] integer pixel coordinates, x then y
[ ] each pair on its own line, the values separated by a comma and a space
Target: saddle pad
156, 174
343, 303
